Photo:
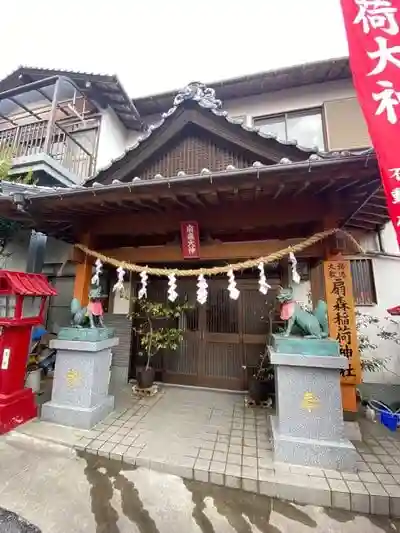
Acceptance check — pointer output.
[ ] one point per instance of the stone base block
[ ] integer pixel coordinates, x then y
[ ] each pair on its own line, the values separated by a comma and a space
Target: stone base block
119, 376
332, 455
76, 416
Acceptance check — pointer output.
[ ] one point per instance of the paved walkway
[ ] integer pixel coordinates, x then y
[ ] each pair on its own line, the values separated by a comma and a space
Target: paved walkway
60, 492
212, 436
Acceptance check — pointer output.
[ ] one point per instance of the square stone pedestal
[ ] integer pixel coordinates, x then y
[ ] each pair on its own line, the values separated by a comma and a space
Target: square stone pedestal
81, 382
309, 429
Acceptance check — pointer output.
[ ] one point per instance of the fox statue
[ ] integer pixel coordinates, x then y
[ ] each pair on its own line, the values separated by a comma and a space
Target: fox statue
90, 316
312, 325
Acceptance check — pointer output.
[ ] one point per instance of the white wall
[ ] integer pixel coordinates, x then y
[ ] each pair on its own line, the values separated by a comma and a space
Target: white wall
120, 302
386, 274
306, 97
301, 292
389, 240
112, 139
16, 252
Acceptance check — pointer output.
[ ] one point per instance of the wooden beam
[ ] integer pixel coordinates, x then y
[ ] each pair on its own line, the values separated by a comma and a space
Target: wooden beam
279, 190
377, 215
259, 213
369, 194
360, 218
301, 189
219, 251
83, 274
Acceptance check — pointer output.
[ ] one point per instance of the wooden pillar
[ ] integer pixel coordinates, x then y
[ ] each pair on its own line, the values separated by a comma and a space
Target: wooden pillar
342, 325
83, 275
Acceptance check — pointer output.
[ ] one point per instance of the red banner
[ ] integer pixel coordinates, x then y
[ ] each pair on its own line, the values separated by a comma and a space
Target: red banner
373, 34
190, 240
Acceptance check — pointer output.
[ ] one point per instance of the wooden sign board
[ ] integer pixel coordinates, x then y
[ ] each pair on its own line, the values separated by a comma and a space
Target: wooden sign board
341, 316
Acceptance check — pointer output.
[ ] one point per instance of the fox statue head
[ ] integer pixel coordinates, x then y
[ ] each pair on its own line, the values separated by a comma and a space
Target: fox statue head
285, 295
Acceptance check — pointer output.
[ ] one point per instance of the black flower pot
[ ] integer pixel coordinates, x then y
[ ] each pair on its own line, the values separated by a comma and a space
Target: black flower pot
145, 377
262, 389
255, 389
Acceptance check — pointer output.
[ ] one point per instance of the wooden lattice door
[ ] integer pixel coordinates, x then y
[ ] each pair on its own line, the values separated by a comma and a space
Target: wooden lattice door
220, 337
220, 357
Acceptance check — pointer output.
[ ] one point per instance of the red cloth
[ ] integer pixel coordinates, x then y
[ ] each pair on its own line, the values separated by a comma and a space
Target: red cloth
96, 308
373, 35
287, 310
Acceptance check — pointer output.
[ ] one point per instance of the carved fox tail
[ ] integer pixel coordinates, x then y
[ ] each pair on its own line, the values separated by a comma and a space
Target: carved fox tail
75, 306
321, 314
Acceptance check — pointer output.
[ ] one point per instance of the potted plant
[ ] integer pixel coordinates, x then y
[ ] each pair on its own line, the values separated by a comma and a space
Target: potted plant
261, 379
155, 334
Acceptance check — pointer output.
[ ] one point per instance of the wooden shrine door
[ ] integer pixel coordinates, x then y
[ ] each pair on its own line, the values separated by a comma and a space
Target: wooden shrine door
220, 337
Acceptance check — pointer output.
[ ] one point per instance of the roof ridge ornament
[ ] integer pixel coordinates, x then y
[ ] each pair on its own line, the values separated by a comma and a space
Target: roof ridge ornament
200, 93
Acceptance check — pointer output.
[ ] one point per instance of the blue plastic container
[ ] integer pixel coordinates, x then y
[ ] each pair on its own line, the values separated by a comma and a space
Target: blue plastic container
389, 420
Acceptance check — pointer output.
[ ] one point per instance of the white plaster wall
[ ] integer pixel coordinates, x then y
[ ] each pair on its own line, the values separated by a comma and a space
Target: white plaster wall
389, 240
120, 303
57, 251
15, 253
298, 98
112, 139
301, 292
386, 275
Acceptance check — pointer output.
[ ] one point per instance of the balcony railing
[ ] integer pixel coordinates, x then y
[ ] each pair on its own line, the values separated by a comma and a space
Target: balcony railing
30, 139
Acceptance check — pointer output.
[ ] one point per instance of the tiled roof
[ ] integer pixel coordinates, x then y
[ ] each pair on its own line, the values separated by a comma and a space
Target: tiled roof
259, 83
8, 190
28, 284
206, 99
107, 86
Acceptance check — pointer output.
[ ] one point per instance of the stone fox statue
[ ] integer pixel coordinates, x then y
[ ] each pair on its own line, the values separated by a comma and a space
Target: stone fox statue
90, 316
313, 325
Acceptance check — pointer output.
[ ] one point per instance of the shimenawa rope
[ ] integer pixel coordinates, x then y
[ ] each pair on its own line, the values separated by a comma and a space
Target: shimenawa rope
213, 271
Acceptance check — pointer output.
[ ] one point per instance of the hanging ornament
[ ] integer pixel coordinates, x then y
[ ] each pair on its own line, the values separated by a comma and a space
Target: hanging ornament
172, 294
262, 280
143, 289
233, 291
98, 270
295, 274
119, 285
202, 289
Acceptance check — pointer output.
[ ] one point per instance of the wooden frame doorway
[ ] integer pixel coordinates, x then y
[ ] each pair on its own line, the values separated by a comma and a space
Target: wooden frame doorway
220, 337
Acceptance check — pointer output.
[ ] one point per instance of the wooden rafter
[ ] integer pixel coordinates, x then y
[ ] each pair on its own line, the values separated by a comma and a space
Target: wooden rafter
370, 194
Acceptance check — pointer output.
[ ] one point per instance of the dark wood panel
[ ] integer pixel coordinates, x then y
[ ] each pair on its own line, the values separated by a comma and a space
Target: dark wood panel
221, 336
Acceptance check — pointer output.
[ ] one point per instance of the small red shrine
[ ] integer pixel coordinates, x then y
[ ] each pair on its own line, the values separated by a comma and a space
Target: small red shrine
22, 304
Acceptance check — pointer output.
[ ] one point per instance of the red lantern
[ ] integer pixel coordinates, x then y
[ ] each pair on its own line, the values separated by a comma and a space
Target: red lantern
22, 303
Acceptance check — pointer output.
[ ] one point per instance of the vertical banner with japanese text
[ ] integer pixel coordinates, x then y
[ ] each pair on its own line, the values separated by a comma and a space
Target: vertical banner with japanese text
190, 240
373, 35
341, 316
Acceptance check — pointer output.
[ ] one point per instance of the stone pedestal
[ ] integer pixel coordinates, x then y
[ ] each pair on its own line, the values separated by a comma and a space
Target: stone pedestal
81, 382
308, 429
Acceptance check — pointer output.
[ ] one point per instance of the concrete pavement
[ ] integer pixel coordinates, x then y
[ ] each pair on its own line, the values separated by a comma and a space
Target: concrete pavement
60, 492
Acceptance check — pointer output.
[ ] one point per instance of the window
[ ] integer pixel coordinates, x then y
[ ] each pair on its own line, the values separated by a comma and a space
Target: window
363, 282
305, 127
